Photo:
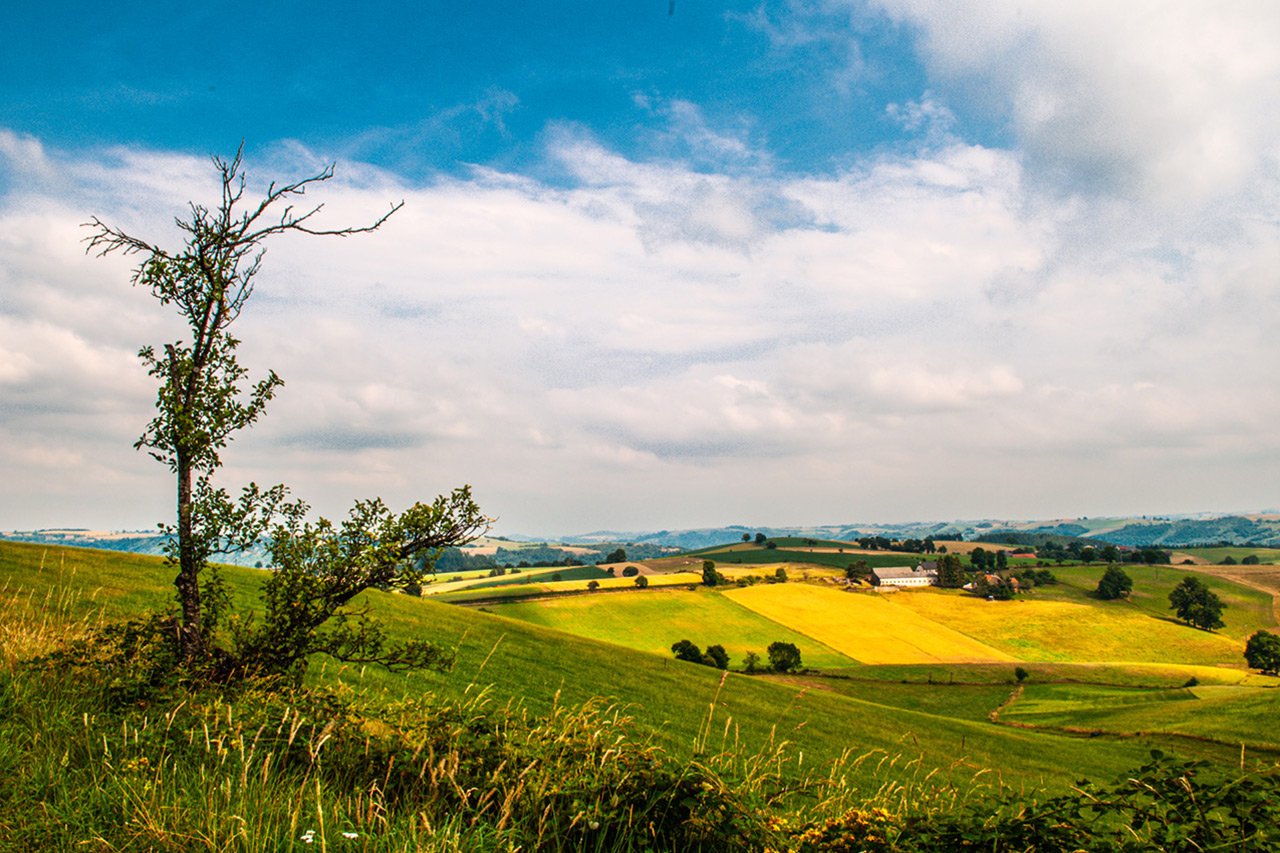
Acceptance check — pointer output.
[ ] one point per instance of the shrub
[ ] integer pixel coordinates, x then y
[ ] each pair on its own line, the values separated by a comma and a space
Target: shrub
630, 572
783, 657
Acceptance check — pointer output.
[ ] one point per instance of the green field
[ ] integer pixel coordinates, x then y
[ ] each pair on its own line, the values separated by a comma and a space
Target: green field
1240, 715
541, 668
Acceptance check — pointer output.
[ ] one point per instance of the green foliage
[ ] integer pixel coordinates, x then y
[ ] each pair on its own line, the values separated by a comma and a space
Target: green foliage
950, 572
618, 556
1196, 605
1250, 560
783, 657
1115, 583
780, 575
685, 650
710, 577
320, 568
751, 662
641, 582
717, 656
1262, 651
1020, 674
857, 570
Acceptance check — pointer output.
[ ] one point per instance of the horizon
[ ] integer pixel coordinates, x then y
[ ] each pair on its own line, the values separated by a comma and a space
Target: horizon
716, 263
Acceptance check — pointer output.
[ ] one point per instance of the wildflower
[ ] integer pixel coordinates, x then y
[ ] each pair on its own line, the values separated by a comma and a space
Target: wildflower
308, 836
350, 835
595, 824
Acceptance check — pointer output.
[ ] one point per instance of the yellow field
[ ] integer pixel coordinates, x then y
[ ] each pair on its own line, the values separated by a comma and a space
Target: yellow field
868, 628
1067, 631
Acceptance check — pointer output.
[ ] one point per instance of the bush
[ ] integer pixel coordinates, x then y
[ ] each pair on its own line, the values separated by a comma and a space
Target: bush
1115, 583
1251, 560
783, 657
630, 572
641, 582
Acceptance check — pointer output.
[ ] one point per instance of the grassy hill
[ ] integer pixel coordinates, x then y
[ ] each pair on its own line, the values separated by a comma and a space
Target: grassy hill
909, 746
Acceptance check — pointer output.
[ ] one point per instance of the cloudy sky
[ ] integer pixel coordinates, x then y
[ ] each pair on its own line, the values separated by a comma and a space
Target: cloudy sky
666, 266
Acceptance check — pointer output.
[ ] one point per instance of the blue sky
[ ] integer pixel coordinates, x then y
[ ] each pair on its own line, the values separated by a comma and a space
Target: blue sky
764, 263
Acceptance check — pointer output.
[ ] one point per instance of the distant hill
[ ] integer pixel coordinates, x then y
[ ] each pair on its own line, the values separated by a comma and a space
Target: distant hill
1138, 532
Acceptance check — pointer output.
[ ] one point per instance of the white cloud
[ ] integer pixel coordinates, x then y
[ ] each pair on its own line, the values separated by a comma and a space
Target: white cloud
1177, 103
655, 345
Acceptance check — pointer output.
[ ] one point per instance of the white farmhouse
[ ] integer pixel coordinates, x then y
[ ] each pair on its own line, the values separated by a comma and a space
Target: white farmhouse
922, 575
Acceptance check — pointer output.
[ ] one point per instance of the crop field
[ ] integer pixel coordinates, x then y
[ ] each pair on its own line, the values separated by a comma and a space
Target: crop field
1242, 715
1037, 630
867, 627
652, 620
1215, 556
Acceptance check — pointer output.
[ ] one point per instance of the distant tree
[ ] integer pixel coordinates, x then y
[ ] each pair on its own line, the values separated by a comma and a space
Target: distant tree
641, 582
950, 572
929, 547
760, 538
1002, 560
978, 559
857, 570
593, 585
1251, 560
780, 575
1263, 652
1020, 674
556, 577
685, 650
746, 537
771, 544
710, 577
995, 587
630, 572
618, 556
1228, 561
751, 661
1115, 583
717, 657
783, 657
942, 549
1196, 604
1109, 554
1088, 555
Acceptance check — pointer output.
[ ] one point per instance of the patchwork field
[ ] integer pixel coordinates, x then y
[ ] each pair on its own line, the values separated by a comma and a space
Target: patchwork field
1037, 630
868, 627
651, 621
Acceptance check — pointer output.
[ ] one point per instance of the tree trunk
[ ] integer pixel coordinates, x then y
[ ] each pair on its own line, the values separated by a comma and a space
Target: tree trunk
190, 635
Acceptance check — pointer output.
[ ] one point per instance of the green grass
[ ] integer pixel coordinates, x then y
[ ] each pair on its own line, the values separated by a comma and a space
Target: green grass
1239, 715
956, 701
541, 669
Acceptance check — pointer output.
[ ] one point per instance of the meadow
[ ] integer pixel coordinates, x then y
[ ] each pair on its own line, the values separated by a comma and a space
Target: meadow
628, 723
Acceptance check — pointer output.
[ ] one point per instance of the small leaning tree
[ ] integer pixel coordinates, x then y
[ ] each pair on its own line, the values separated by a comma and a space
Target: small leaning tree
203, 400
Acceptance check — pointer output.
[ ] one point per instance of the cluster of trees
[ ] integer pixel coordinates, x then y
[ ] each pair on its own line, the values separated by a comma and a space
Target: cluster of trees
714, 656
950, 572
783, 657
983, 560
1036, 577
994, 587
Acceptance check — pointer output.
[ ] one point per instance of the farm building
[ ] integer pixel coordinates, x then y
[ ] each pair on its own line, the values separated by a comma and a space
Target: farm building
921, 575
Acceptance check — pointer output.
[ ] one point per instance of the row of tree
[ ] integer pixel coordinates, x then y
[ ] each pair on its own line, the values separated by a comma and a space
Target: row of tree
783, 657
